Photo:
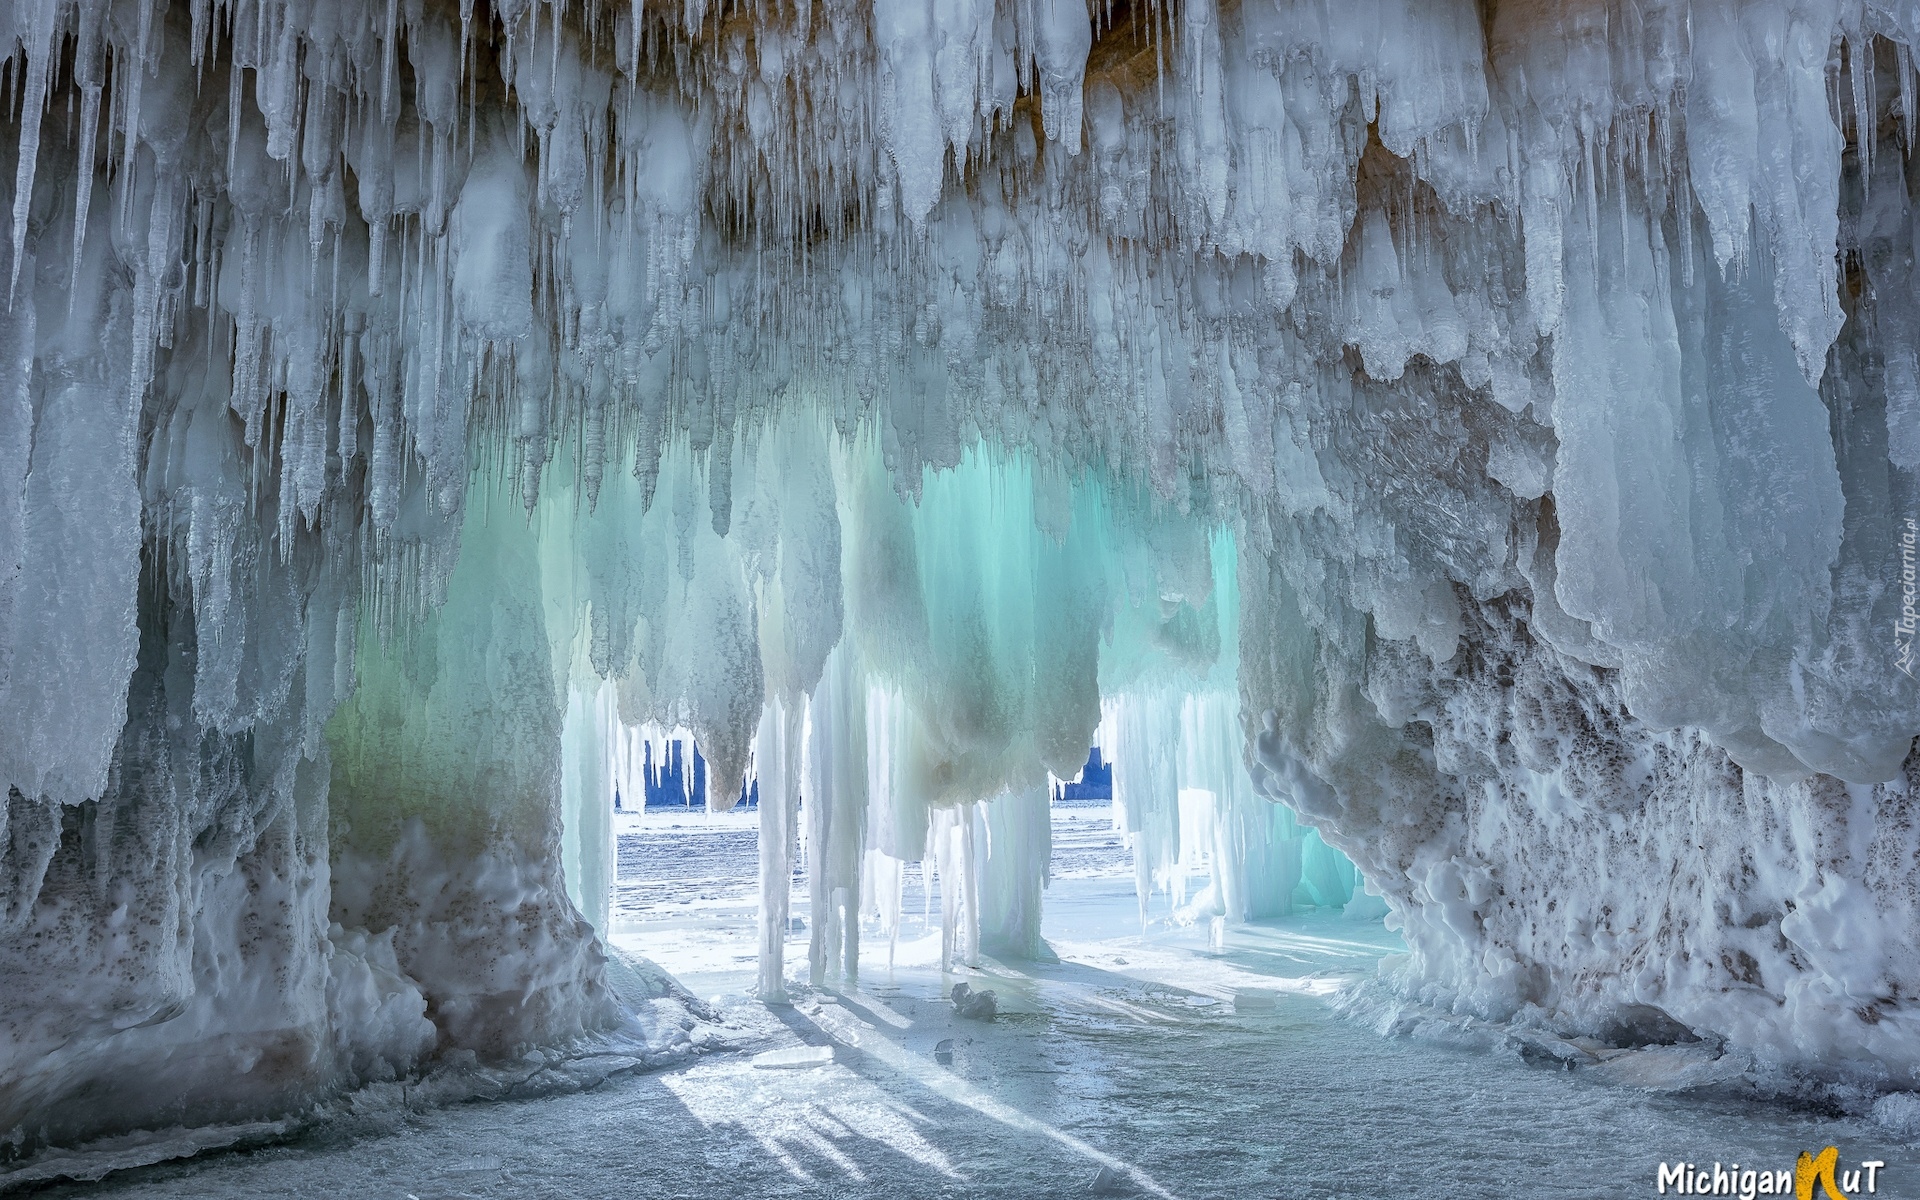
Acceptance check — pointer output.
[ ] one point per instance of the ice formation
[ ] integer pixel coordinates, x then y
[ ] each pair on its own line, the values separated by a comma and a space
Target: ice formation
1486, 427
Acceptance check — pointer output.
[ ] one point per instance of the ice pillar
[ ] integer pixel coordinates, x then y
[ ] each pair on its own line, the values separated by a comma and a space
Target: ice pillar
1142, 737
951, 842
777, 756
446, 791
836, 812
1014, 872
591, 738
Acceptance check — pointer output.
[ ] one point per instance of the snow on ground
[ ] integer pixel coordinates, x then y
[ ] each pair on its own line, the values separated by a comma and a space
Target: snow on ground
1141, 1063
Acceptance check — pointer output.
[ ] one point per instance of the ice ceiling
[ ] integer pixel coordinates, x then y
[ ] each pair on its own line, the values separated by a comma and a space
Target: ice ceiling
1487, 428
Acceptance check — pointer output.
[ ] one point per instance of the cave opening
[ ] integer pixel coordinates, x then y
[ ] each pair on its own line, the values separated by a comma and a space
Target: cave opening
1457, 460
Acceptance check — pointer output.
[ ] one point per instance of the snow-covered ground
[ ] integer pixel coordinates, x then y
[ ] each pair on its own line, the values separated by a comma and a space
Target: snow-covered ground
1141, 1063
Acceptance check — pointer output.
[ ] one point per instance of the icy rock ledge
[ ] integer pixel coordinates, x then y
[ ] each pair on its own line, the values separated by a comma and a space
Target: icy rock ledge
1487, 429
663, 1026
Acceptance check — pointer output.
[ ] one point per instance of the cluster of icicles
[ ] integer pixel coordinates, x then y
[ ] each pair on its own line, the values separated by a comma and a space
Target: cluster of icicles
1482, 427
391, 237
930, 737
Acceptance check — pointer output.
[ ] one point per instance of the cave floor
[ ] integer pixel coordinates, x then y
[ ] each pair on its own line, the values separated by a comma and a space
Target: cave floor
1152, 1064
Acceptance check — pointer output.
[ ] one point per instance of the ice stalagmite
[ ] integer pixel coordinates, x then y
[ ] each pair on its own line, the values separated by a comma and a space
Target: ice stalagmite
1476, 437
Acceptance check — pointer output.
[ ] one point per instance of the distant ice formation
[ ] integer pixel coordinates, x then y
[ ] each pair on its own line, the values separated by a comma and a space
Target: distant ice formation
1488, 428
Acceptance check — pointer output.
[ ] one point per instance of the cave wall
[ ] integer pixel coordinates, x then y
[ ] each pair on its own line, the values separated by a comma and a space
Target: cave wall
374, 380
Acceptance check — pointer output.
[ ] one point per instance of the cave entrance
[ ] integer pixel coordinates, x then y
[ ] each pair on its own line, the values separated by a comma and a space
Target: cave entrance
686, 886
686, 883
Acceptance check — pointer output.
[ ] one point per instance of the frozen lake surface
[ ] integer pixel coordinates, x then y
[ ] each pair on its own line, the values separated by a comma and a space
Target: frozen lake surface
1146, 1064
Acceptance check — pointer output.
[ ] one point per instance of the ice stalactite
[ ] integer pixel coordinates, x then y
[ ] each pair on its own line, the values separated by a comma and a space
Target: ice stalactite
1551, 368
952, 847
73, 570
1181, 781
588, 733
897, 823
1186, 800
1147, 791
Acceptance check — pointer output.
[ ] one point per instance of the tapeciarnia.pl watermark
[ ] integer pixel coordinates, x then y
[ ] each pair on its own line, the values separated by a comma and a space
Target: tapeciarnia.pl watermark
1903, 626
1820, 1170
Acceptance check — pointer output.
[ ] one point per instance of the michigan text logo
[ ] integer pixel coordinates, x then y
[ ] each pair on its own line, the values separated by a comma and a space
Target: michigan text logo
1814, 1177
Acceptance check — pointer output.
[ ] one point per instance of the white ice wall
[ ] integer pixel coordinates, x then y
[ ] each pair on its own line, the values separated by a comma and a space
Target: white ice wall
1553, 364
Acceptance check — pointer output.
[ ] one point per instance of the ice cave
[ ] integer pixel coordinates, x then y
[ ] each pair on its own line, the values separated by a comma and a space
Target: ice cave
1031, 598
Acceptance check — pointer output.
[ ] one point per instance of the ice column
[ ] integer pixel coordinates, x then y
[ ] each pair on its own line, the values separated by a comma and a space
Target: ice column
777, 753
835, 807
898, 823
1014, 872
592, 757
952, 839
446, 797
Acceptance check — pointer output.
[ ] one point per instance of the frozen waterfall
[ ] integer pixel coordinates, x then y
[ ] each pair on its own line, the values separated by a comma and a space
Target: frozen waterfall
1478, 437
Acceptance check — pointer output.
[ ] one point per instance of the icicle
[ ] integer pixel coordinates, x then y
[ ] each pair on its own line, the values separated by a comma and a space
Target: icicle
389, 52
146, 299
83, 186
953, 844
38, 57
1859, 77
1904, 56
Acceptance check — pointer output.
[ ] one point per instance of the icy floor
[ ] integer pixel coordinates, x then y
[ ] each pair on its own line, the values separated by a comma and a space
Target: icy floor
1174, 1069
